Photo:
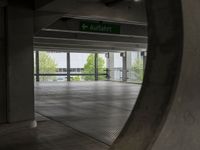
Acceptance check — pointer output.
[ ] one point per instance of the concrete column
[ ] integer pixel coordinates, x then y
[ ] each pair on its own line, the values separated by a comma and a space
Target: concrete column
96, 66
37, 60
107, 66
20, 61
144, 54
124, 67
3, 106
68, 67
129, 64
129, 60
111, 65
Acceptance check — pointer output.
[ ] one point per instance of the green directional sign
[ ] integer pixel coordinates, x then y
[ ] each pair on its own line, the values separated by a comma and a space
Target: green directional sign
100, 27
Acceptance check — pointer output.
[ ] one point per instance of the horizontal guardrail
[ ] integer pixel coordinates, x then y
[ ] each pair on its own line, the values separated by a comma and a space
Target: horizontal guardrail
74, 74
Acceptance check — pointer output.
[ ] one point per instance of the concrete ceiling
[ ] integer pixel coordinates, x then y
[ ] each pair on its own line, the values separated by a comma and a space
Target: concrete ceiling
120, 11
66, 34
57, 24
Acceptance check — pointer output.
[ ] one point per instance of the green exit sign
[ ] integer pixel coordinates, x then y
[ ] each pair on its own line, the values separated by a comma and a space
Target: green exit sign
100, 27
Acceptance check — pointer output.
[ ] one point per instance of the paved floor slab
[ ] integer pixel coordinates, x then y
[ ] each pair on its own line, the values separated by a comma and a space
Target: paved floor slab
97, 109
49, 135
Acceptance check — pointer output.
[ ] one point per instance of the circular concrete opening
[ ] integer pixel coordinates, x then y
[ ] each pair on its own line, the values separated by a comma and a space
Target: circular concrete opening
166, 115
140, 29
165, 46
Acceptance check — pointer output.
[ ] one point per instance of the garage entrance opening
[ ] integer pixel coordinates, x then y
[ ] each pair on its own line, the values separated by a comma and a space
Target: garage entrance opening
92, 93
97, 67
55, 66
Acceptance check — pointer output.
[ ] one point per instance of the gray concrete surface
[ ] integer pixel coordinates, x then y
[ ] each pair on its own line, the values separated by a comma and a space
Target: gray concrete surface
49, 135
19, 61
167, 114
73, 116
96, 109
3, 110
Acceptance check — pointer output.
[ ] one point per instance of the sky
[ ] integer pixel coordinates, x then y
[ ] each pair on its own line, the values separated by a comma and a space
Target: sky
77, 59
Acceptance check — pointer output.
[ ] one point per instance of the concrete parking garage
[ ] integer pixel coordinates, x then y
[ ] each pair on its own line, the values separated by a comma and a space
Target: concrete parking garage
166, 114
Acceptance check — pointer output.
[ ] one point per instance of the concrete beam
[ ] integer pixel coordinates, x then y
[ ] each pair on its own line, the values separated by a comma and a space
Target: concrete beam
73, 25
125, 11
87, 44
43, 19
48, 11
75, 49
91, 37
97, 47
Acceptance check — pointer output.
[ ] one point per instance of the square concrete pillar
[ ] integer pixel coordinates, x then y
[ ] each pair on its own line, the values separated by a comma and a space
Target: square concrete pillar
111, 65
20, 85
124, 66
3, 106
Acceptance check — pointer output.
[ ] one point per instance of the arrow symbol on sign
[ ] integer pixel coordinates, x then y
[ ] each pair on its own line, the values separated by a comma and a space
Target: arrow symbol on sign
84, 26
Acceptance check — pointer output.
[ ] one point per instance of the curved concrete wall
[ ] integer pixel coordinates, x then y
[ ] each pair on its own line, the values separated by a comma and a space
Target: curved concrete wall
167, 114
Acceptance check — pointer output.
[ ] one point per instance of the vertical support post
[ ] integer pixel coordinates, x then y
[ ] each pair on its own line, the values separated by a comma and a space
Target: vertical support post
124, 67
108, 66
144, 60
111, 65
37, 60
3, 59
129, 58
68, 67
144, 55
20, 86
96, 66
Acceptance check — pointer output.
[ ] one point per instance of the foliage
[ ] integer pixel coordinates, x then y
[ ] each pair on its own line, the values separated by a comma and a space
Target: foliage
137, 68
89, 68
76, 78
47, 65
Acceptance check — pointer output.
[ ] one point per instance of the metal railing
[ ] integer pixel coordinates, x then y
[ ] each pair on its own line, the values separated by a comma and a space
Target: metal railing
75, 72
119, 74
114, 74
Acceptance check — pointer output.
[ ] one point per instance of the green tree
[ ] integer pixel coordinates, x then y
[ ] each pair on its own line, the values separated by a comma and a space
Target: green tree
138, 70
47, 65
89, 67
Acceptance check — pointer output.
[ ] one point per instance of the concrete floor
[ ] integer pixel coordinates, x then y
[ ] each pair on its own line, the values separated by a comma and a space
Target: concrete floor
49, 135
97, 109
75, 116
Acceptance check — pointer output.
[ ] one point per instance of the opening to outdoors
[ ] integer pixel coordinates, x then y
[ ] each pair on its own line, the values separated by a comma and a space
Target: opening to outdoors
56, 66
88, 74
95, 95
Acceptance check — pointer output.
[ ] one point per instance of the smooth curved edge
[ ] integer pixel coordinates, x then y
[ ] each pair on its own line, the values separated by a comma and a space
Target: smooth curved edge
165, 47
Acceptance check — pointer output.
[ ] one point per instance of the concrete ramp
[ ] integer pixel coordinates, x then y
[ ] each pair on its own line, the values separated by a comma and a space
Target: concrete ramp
167, 114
